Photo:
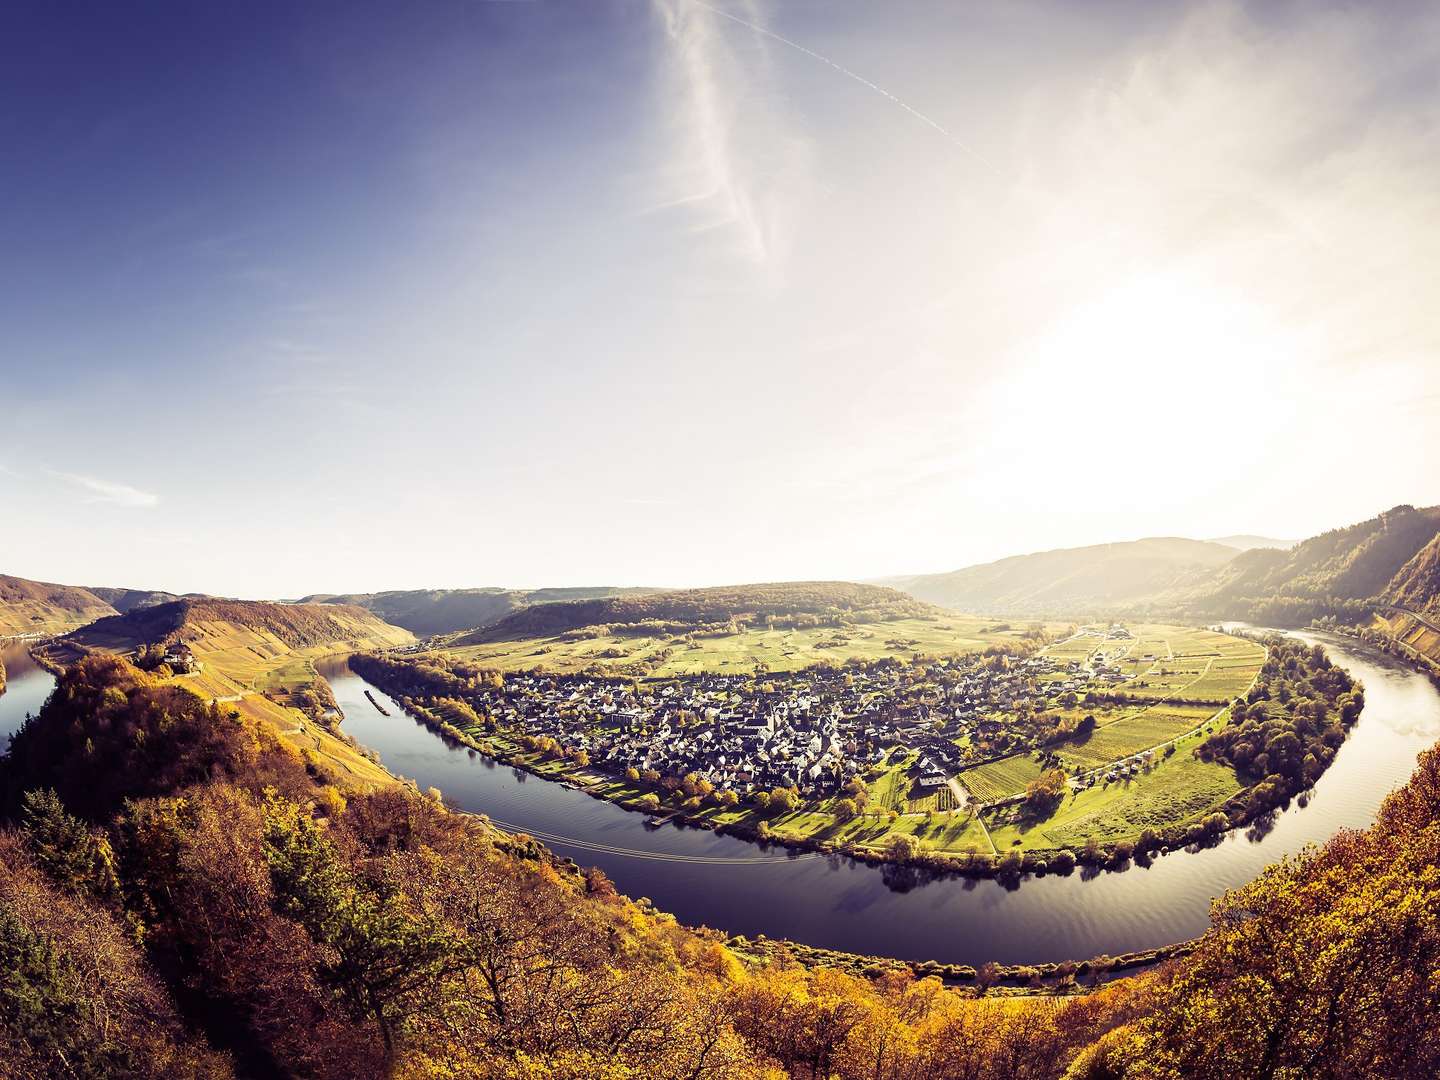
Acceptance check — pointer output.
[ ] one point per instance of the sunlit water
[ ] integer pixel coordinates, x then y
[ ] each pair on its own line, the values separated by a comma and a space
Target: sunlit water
837, 903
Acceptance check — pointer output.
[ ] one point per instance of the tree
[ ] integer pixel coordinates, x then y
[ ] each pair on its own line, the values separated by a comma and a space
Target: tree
783, 800
1045, 792
64, 848
385, 955
902, 847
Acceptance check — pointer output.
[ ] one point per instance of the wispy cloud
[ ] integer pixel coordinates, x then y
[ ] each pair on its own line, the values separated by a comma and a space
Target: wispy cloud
739, 177
109, 491
929, 121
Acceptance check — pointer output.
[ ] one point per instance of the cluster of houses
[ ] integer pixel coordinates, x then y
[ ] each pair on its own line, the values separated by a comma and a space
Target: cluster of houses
812, 730
181, 660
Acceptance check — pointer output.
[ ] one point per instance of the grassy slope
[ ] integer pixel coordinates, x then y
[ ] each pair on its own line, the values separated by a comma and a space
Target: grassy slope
39, 607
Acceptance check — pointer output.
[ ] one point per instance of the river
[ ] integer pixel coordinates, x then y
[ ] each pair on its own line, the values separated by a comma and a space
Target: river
27, 686
837, 903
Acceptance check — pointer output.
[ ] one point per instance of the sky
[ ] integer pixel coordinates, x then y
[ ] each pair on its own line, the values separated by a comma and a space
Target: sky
347, 297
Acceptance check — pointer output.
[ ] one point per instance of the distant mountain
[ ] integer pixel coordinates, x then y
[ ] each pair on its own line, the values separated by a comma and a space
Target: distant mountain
443, 611
1245, 542
127, 600
41, 607
682, 610
1072, 580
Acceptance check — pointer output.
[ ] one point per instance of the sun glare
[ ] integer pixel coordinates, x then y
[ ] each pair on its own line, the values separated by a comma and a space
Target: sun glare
1147, 379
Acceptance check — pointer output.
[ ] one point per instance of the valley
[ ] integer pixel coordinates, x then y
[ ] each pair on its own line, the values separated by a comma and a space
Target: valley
844, 768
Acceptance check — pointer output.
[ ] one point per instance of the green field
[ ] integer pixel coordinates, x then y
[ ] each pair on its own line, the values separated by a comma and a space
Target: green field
890, 790
1178, 790
1187, 663
1132, 733
779, 650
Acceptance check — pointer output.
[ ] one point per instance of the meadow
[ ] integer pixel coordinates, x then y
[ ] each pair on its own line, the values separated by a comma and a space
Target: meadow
1178, 790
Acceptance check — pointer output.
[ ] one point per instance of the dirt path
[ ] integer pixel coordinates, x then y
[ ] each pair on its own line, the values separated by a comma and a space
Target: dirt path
962, 797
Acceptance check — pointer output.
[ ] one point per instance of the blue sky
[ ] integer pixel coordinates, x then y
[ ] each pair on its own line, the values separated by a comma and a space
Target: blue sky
332, 297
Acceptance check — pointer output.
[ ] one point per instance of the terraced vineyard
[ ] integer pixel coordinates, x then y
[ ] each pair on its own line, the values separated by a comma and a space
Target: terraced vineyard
1000, 779
1132, 734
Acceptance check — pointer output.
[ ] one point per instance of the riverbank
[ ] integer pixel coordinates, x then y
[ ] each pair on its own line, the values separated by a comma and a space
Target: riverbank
1403, 634
1064, 977
1172, 801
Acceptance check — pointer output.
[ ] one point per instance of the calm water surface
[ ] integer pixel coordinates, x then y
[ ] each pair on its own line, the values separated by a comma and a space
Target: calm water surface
26, 688
834, 902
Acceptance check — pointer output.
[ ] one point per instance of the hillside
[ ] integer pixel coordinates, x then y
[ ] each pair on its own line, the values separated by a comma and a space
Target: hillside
255, 657
1393, 558
127, 600
1071, 580
1390, 558
793, 603
443, 611
203, 622
39, 607
1416, 585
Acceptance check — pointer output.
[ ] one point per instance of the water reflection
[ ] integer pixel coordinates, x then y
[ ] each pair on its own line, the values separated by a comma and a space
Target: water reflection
27, 685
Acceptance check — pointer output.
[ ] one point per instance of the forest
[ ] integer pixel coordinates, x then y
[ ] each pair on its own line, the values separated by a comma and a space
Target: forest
1287, 729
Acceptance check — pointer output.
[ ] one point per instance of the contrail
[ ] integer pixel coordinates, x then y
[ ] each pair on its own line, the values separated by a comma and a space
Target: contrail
843, 70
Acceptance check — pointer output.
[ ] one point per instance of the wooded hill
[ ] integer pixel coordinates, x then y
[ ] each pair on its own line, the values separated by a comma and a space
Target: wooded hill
1072, 580
1391, 559
40, 607
793, 603
444, 611
191, 621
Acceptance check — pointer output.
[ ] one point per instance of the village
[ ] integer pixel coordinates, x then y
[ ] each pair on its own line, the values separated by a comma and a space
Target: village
813, 730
